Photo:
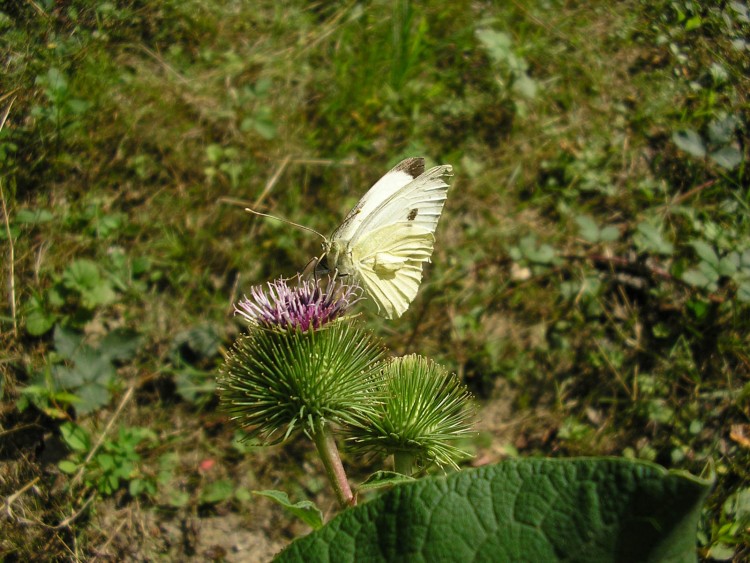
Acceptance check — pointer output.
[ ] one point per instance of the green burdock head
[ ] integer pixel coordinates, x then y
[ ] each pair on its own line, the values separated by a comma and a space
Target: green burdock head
425, 409
302, 362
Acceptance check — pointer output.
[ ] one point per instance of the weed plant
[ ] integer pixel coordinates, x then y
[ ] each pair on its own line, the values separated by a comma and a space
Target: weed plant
591, 276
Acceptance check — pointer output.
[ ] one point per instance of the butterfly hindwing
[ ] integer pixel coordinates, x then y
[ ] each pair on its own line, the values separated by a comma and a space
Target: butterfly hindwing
388, 263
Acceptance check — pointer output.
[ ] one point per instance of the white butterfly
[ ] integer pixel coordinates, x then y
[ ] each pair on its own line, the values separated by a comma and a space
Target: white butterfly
388, 236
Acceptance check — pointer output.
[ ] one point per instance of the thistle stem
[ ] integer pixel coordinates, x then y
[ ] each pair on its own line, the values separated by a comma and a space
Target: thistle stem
403, 463
329, 453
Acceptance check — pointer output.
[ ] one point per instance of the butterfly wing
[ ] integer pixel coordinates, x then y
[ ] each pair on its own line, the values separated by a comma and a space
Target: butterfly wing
388, 264
399, 176
385, 245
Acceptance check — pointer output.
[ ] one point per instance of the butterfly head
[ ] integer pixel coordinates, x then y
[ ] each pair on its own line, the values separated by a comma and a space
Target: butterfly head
336, 259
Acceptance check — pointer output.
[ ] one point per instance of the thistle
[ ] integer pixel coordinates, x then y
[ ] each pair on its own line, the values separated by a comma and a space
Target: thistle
298, 363
425, 409
301, 365
306, 306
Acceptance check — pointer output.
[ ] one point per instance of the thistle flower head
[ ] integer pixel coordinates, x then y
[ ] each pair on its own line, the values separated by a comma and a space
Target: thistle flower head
424, 410
304, 306
295, 367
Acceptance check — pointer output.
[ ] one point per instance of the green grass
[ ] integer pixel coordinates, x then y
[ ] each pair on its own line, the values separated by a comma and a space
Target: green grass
129, 122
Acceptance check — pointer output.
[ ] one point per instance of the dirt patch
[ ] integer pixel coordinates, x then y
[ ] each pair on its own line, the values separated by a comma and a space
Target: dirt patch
143, 535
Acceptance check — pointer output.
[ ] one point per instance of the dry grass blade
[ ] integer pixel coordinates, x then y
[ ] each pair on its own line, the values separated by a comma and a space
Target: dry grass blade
102, 436
8, 503
271, 182
11, 250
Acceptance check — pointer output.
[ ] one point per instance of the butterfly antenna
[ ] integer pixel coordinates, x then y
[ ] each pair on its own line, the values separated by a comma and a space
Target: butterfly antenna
285, 221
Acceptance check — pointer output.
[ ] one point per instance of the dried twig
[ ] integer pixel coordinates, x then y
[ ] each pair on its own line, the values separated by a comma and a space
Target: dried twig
324, 162
73, 517
102, 551
235, 201
38, 9
102, 436
690, 193
271, 182
12, 498
7, 95
11, 251
327, 29
11, 264
164, 64
233, 294
552, 30
70, 519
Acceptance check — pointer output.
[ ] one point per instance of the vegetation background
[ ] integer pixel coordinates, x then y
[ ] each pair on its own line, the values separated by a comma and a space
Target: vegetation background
591, 279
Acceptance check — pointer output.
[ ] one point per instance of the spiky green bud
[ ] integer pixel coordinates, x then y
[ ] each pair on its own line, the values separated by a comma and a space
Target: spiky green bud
425, 409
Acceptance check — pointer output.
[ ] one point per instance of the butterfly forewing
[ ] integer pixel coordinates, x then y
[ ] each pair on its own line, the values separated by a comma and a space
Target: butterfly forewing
399, 176
420, 202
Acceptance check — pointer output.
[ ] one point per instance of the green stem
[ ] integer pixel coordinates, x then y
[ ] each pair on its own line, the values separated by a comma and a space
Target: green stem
403, 462
329, 453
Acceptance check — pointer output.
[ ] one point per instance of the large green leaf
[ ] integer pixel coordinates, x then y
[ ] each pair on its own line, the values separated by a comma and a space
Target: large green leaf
588, 509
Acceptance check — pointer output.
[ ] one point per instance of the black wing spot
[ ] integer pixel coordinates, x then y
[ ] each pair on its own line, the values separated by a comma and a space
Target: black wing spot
412, 215
414, 167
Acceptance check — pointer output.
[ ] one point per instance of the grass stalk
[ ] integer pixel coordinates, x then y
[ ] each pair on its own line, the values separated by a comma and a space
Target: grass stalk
11, 250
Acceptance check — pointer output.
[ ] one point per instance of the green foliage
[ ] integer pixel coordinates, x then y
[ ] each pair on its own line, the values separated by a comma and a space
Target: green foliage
712, 268
113, 464
80, 290
590, 231
383, 479
62, 111
719, 144
218, 491
226, 162
261, 120
196, 386
530, 252
83, 278
513, 69
304, 509
85, 286
44, 394
545, 510
38, 319
582, 173
731, 529
87, 375
648, 238
192, 351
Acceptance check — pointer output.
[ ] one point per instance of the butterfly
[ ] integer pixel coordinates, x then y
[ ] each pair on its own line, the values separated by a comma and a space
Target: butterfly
387, 237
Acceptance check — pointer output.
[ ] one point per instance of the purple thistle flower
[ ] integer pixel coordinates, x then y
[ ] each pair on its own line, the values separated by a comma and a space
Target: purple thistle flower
306, 306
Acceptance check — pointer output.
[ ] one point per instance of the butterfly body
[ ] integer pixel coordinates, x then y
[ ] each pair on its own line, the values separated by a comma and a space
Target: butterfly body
387, 237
